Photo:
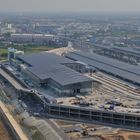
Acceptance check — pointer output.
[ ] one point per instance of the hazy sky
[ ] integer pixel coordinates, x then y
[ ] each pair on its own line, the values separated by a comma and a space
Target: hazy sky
69, 5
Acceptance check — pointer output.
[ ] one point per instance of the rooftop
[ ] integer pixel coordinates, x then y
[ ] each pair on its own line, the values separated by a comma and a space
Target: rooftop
50, 66
127, 50
125, 70
34, 35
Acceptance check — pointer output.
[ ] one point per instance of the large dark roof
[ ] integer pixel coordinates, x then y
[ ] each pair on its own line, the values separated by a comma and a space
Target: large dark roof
113, 66
51, 66
125, 50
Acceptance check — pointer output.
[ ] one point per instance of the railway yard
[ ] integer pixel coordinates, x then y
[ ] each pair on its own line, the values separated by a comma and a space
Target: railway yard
112, 94
112, 103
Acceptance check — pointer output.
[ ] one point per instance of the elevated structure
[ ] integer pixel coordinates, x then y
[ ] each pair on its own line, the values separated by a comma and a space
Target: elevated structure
122, 53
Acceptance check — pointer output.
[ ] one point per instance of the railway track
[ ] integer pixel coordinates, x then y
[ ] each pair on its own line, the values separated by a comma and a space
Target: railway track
110, 92
110, 83
117, 82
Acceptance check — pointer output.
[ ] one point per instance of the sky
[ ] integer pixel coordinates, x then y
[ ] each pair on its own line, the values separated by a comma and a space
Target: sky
69, 5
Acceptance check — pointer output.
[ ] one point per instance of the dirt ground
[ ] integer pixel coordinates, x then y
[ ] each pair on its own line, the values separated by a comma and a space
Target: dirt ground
120, 136
123, 135
103, 134
4, 133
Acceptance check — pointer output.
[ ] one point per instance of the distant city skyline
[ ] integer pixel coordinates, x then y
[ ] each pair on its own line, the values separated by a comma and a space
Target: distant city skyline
69, 5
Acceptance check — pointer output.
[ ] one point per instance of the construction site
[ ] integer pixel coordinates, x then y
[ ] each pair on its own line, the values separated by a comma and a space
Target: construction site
82, 131
86, 94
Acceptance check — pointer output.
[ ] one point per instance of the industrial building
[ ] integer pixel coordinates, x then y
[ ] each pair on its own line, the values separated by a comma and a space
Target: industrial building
38, 39
28, 38
61, 74
125, 71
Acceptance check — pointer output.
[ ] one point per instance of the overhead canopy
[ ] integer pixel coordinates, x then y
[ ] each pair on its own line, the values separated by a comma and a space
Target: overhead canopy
122, 69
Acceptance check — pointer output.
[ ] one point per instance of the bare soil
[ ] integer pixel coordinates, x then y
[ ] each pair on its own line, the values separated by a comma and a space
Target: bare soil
123, 135
4, 135
113, 134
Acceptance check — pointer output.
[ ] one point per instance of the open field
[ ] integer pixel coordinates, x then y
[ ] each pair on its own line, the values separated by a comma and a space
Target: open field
124, 135
37, 49
3, 53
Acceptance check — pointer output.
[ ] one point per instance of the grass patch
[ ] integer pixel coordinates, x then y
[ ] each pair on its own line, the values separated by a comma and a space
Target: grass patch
3, 51
3, 54
37, 49
27, 49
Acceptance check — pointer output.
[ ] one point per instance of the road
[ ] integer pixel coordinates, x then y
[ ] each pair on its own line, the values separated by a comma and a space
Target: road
11, 121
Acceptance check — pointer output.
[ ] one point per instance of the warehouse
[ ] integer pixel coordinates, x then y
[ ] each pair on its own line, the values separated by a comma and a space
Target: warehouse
57, 72
37, 38
125, 71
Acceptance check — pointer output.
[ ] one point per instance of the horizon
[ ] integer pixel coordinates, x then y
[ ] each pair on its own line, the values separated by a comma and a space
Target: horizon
70, 13
70, 6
